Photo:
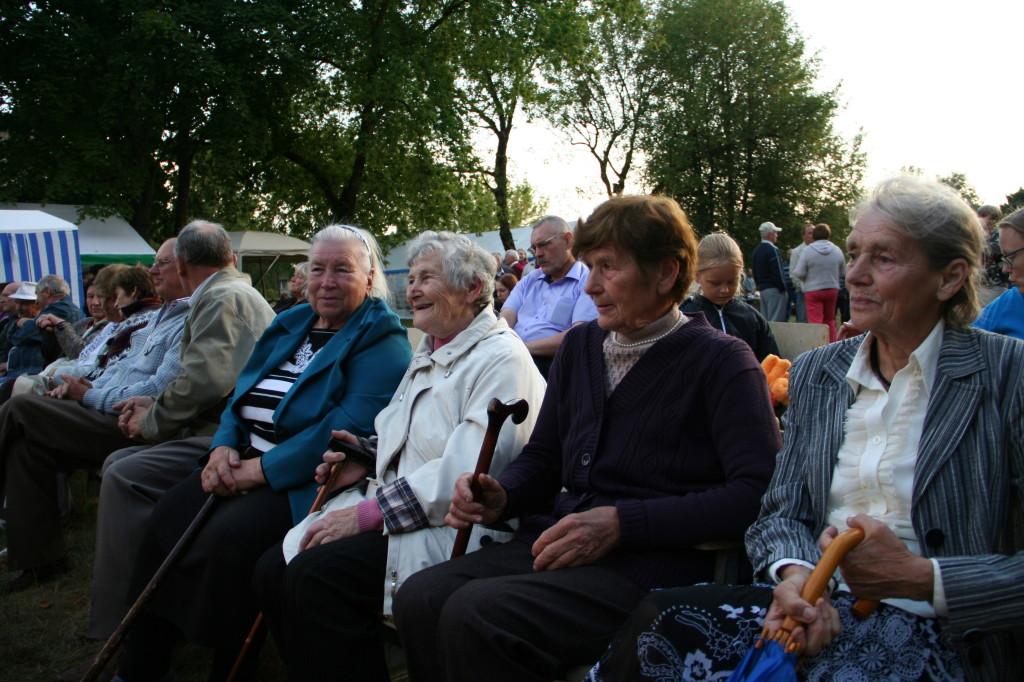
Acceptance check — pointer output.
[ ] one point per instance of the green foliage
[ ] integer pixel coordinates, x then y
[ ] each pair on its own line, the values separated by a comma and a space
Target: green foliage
739, 134
502, 49
1013, 202
606, 101
958, 181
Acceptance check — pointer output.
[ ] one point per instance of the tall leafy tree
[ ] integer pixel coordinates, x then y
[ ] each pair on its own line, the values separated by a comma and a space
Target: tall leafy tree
739, 133
606, 102
504, 49
112, 103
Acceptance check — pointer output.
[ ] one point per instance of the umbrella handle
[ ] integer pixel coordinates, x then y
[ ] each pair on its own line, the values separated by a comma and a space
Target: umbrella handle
818, 581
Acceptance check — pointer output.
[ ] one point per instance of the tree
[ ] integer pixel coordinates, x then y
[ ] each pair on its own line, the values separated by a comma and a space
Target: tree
606, 102
1013, 202
111, 104
504, 47
739, 135
958, 181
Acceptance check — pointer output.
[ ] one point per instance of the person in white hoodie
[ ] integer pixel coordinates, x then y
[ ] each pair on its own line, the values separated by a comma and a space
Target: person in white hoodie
819, 268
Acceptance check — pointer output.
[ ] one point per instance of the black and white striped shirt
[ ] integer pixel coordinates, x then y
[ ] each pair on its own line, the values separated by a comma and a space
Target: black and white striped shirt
256, 407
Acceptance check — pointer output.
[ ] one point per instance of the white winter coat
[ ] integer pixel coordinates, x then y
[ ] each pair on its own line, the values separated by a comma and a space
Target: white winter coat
431, 432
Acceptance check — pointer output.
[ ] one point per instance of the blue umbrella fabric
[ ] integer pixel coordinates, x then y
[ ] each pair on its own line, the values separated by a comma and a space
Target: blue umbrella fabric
773, 658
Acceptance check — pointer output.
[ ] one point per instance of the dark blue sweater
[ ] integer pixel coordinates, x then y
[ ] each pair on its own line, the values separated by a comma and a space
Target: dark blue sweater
767, 266
683, 448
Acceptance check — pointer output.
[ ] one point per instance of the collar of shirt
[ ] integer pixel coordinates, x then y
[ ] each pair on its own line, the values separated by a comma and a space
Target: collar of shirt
576, 272
924, 359
202, 285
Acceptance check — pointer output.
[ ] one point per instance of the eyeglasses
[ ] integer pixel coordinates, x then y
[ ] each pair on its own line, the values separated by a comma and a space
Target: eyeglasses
542, 244
162, 263
1007, 259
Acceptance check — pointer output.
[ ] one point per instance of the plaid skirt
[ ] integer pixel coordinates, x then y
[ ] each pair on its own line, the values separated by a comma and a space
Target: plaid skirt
703, 632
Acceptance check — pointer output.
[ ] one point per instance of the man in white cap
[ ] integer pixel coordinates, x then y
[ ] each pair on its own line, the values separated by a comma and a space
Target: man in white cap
771, 282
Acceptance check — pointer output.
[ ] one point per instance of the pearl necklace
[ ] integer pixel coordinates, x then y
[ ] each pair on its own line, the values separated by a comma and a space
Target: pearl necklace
644, 342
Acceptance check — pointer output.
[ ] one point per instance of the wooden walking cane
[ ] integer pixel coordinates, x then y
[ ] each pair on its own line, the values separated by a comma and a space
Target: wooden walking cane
318, 502
108, 650
497, 413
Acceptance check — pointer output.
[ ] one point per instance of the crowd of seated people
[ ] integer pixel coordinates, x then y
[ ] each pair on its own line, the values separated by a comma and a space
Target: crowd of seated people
651, 436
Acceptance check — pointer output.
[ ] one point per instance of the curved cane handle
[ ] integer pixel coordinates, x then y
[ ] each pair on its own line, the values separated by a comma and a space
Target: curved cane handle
817, 581
497, 413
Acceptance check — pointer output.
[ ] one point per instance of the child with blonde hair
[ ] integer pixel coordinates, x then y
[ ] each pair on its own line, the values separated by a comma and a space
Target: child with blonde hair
719, 270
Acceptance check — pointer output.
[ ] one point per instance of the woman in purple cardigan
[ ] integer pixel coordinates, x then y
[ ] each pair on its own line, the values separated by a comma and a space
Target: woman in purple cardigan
656, 434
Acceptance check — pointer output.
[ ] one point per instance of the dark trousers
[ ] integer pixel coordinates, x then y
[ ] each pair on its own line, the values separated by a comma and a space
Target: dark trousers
40, 436
490, 616
206, 596
324, 608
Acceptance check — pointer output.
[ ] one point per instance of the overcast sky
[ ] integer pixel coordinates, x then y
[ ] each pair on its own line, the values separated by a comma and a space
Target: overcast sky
932, 84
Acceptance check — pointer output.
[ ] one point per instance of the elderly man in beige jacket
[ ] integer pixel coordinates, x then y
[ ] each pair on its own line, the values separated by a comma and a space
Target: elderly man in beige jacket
228, 316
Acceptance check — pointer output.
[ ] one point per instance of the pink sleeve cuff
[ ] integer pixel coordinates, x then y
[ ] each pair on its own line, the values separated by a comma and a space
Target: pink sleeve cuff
369, 516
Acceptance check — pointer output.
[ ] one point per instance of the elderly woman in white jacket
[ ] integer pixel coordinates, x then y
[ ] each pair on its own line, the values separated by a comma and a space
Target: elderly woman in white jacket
323, 592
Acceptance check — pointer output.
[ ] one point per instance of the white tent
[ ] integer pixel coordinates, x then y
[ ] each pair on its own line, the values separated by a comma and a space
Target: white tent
267, 258
34, 244
101, 240
249, 243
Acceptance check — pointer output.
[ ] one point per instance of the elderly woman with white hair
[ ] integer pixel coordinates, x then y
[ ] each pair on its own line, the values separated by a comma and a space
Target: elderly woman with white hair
331, 364
345, 564
912, 432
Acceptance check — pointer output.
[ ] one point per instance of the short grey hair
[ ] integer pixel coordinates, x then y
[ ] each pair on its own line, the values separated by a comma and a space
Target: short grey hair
204, 244
463, 262
54, 285
301, 268
554, 220
943, 225
373, 262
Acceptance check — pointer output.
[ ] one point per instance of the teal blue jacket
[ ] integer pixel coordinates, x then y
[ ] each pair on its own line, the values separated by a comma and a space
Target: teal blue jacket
350, 380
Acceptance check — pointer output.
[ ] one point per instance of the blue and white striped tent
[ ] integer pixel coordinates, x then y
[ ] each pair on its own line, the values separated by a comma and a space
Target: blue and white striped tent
34, 243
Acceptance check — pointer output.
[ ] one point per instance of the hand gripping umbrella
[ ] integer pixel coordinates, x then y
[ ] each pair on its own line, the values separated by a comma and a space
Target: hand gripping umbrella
497, 413
773, 658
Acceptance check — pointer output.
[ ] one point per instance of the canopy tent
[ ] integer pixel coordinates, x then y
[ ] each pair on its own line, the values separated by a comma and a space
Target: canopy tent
101, 240
267, 258
34, 244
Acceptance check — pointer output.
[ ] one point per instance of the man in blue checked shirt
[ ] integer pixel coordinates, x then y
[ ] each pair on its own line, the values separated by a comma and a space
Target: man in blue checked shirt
549, 300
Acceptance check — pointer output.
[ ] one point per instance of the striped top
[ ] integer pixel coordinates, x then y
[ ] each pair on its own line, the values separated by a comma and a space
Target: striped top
257, 406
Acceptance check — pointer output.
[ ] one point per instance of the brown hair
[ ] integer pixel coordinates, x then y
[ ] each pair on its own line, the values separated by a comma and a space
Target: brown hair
821, 231
648, 228
104, 280
134, 279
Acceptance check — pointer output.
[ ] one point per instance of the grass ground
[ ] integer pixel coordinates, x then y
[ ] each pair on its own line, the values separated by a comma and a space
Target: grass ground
41, 627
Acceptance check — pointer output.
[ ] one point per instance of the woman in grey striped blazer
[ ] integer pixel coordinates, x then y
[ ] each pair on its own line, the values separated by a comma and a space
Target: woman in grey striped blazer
913, 432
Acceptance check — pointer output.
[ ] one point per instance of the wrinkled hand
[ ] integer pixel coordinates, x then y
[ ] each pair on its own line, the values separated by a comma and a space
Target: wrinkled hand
132, 412
577, 539
226, 473
351, 472
332, 526
48, 321
819, 624
464, 511
882, 567
73, 388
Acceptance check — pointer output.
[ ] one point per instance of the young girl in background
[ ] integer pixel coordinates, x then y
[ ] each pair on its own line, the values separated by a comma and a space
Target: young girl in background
719, 268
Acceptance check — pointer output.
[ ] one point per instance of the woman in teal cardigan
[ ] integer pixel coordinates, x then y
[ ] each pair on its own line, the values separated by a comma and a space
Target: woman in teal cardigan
330, 365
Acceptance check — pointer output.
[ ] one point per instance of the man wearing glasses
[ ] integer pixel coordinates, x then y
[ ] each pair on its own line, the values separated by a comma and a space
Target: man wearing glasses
549, 300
